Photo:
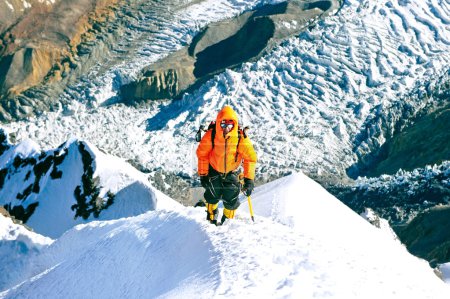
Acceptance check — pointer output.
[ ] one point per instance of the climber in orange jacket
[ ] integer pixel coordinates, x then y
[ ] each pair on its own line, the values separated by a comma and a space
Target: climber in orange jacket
218, 163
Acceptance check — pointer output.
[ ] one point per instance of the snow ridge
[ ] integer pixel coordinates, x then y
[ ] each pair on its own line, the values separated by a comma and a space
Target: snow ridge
76, 180
325, 250
18, 247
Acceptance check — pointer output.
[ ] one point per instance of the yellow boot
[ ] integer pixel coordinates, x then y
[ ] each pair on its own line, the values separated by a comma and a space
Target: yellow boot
227, 214
212, 212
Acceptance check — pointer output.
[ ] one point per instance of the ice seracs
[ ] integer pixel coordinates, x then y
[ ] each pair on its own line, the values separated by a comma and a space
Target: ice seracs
318, 91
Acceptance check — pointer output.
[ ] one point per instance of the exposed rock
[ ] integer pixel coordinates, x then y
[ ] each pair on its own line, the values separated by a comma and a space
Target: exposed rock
428, 235
397, 135
415, 147
39, 43
225, 44
4, 212
27, 67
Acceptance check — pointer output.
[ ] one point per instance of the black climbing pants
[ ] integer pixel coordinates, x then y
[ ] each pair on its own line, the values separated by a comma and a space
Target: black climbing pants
225, 187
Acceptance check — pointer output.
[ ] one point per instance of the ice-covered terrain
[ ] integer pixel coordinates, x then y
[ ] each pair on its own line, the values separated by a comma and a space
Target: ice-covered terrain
446, 272
315, 103
400, 197
304, 244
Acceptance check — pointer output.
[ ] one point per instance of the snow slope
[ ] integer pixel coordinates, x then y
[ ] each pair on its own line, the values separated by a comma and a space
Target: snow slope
18, 246
445, 269
307, 101
304, 244
32, 179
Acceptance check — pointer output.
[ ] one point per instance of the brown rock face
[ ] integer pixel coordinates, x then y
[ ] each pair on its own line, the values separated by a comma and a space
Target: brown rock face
27, 67
166, 80
39, 42
4, 212
162, 83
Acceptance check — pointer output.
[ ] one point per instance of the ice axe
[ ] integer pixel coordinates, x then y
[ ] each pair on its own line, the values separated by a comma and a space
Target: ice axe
249, 199
250, 207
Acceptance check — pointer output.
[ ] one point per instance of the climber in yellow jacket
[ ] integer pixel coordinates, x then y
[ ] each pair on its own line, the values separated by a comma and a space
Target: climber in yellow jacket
218, 163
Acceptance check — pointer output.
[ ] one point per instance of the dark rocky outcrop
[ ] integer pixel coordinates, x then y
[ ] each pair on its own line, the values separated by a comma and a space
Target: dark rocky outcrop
408, 133
40, 169
40, 44
87, 195
5, 213
427, 142
428, 235
222, 45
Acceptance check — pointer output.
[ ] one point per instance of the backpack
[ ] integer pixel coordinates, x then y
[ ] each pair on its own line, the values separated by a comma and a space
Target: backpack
242, 133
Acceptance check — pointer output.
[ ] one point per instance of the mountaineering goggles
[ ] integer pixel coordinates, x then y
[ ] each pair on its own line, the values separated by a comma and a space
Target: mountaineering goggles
227, 124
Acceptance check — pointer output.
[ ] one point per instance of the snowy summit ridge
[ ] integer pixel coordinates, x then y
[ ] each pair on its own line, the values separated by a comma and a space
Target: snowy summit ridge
304, 244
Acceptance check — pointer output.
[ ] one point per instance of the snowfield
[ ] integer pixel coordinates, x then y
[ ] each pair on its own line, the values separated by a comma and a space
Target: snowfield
304, 244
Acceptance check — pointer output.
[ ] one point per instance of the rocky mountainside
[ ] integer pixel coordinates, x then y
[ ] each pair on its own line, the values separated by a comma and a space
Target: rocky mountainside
44, 48
428, 235
40, 42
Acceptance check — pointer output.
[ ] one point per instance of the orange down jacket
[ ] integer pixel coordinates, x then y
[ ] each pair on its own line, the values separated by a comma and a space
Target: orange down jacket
223, 157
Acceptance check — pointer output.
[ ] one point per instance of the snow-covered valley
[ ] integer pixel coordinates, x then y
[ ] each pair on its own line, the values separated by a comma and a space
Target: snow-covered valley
318, 102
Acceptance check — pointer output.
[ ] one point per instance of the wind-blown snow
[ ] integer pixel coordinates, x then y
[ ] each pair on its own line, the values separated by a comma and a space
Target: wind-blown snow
304, 244
306, 101
23, 149
18, 246
445, 269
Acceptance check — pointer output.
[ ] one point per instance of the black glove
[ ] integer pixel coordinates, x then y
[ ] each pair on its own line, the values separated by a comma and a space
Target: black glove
204, 181
248, 186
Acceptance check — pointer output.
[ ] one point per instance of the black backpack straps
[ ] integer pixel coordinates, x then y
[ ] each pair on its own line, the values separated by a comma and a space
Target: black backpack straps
213, 136
212, 127
198, 135
240, 136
